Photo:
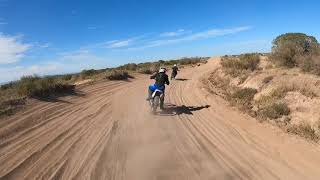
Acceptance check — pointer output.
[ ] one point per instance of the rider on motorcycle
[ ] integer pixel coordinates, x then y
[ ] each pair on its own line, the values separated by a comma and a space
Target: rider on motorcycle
174, 71
161, 80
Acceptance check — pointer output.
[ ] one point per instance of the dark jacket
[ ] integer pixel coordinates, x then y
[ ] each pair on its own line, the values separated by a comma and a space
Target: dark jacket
175, 69
161, 79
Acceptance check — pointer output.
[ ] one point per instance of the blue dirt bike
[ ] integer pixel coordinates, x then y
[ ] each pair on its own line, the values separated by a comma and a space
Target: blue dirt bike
157, 95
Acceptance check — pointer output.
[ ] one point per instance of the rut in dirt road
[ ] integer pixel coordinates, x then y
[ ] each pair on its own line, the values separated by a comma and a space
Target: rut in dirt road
109, 133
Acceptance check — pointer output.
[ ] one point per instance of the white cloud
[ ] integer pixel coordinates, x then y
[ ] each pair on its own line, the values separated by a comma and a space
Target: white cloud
12, 49
119, 44
68, 62
79, 56
173, 34
14, 73
193, 36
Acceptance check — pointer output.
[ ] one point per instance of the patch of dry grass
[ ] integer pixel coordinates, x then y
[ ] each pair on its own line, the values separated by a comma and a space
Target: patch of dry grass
275, 110
304, 130
116, 75
236, 66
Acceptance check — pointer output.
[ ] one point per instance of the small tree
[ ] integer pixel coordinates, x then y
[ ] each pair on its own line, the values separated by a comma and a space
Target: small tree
289, 47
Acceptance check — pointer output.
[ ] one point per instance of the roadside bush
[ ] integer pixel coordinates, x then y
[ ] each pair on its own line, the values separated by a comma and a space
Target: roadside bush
238, 65
118, 75
128, 67
250, 61
304, 130
67, 77
86, 73
275, 110
243, 96
148, 68
310, 63
34, 86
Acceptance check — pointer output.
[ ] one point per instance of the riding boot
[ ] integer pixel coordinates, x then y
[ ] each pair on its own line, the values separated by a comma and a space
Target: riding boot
162, 103
149, 95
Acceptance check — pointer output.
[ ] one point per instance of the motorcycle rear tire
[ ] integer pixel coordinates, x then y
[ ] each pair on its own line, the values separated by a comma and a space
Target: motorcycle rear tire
156, 101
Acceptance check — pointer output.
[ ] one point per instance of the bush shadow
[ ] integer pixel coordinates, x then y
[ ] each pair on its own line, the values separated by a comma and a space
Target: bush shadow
55, 97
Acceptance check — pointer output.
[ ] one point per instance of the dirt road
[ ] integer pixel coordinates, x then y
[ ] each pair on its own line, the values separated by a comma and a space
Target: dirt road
107, 132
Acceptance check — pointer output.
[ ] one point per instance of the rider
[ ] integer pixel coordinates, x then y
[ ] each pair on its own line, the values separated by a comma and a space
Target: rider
161, 80
174, 71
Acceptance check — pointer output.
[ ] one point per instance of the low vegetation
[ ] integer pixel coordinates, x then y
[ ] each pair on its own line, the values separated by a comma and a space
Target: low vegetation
151, 67
275, 111
236, 66
304, 130
118, 75
297, 50
243, 96
279, 87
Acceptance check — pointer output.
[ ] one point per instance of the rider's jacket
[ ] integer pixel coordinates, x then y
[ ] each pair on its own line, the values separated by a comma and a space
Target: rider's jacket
161, 79
175, 70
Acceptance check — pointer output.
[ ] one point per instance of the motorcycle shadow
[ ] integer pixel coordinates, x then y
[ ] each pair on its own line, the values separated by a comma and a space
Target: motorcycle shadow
181, 79
173, 110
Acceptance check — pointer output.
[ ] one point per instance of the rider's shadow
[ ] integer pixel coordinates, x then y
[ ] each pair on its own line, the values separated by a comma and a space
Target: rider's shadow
171, 109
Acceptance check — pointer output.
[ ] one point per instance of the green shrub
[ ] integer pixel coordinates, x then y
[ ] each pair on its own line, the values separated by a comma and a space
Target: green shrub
288, 48
275, 110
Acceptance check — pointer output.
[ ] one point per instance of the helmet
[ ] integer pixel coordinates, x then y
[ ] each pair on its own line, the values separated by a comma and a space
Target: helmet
175, 65
162, 70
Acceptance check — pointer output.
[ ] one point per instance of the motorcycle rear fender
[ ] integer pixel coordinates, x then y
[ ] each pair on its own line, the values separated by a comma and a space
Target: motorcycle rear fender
157, 92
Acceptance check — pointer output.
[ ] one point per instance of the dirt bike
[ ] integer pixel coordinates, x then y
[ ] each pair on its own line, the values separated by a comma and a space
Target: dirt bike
173, 75
155, 100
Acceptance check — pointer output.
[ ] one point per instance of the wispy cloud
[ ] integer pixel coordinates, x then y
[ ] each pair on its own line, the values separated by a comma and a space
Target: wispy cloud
2, 21
173, 33
119, 44
67, 62
12, 49
114, 44
193, 37
92, 27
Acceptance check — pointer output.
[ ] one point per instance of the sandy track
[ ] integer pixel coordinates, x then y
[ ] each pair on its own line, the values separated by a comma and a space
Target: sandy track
108, 133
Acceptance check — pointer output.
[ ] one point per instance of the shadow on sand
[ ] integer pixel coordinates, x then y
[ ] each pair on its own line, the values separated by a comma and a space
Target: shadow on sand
71, 91
181, 79
172, 110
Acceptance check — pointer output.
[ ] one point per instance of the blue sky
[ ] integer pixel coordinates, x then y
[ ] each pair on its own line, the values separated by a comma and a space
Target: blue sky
57, 36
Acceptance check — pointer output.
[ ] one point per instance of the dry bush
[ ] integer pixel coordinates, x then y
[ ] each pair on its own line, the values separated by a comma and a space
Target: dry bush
240, 65
243, 96
118, 75
304, 130
34, 86
310, 63
275, 110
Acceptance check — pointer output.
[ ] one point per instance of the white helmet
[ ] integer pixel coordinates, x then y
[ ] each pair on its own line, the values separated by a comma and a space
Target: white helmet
175, 65
162, 70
